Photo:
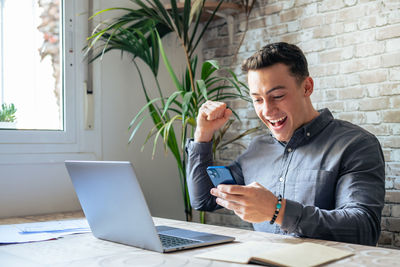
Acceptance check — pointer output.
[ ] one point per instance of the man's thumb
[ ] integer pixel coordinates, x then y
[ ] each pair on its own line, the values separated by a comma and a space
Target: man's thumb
227, 113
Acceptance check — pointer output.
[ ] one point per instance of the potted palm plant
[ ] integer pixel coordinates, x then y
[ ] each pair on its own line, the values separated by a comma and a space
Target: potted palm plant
7, 116
139, 32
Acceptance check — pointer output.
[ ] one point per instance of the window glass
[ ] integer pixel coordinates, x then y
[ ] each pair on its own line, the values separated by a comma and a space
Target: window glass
31, 65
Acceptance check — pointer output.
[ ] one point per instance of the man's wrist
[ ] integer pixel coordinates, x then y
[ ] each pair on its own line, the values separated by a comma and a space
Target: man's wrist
201, 137
281, 214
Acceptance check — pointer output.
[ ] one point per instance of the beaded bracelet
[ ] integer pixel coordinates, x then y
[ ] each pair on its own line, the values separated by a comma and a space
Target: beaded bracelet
278, 208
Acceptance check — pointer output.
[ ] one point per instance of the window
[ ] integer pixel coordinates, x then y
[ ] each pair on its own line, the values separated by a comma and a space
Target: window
43, 72
32, 172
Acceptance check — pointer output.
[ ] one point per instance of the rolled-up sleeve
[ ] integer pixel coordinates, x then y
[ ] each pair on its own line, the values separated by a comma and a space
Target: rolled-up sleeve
359, 195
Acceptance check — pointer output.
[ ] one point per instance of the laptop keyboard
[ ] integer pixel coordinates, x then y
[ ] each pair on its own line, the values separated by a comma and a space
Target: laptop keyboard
173, 241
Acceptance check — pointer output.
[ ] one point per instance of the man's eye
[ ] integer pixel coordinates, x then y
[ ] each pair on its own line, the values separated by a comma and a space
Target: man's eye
278, 96
256, 100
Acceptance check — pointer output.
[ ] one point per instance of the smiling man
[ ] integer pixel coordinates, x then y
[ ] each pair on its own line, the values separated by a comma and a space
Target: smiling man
313, 176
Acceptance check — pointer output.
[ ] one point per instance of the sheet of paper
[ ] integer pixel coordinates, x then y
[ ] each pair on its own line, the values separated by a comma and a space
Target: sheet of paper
29, 232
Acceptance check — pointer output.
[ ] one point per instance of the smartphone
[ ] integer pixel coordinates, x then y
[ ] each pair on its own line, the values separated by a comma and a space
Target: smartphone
220, 175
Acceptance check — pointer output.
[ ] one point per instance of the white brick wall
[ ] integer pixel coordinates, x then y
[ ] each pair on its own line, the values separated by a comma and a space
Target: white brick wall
353, 50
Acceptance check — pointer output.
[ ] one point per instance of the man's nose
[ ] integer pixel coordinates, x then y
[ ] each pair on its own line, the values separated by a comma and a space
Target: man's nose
267, 109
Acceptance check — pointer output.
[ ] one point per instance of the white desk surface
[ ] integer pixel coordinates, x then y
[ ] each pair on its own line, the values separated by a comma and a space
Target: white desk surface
86, 250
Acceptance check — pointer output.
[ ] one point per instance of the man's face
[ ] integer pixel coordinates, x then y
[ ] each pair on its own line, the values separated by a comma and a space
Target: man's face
280, 101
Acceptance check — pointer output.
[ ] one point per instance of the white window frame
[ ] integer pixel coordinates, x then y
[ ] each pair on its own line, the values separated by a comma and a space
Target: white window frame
46, 144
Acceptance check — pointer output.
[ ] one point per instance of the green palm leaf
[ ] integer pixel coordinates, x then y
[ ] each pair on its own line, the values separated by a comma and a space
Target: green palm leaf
168, 65
170, 100
186, 103
201, 85
208, 68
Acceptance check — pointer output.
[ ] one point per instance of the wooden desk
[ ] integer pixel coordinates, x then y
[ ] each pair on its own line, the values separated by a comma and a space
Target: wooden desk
86, 250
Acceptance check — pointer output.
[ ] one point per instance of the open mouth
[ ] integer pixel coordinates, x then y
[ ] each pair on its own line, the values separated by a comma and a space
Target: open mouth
278, 122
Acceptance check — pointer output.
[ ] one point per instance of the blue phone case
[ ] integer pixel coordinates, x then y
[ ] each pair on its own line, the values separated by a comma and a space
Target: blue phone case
220, 175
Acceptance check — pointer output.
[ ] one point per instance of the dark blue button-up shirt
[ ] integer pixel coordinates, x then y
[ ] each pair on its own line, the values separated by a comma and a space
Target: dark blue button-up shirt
331, 173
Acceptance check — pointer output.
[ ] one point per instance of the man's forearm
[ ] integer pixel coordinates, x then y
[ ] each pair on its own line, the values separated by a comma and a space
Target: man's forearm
352, 224
199, 184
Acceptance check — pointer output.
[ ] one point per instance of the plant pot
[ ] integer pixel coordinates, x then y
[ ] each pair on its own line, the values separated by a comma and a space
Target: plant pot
8, 125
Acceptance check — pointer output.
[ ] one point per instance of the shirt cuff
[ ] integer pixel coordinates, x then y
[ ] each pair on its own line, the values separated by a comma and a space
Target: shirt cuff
292, 216
197, 147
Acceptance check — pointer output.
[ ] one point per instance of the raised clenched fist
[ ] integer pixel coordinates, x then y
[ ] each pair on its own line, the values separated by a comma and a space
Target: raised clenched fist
212, 116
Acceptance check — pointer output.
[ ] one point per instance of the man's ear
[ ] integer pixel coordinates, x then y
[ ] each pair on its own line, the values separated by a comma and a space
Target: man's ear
308, 86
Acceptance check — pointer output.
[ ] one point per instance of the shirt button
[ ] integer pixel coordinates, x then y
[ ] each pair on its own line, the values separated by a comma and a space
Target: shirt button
308, 134
281, 179
289, 149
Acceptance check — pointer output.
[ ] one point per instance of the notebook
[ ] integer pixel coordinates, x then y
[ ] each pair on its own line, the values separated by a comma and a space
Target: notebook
116, 210
304, 254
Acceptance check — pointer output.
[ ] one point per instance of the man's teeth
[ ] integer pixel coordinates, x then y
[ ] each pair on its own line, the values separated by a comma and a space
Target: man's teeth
275, 121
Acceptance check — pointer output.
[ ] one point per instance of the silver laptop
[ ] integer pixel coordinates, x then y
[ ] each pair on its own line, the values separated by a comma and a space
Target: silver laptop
116, 209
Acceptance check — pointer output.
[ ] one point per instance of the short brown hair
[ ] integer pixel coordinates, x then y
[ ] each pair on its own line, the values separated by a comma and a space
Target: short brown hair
281, 52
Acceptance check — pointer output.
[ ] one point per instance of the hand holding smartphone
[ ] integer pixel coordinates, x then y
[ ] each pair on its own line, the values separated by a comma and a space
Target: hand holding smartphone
220, 175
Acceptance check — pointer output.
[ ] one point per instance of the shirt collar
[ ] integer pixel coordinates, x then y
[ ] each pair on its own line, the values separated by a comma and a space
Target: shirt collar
317, 124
